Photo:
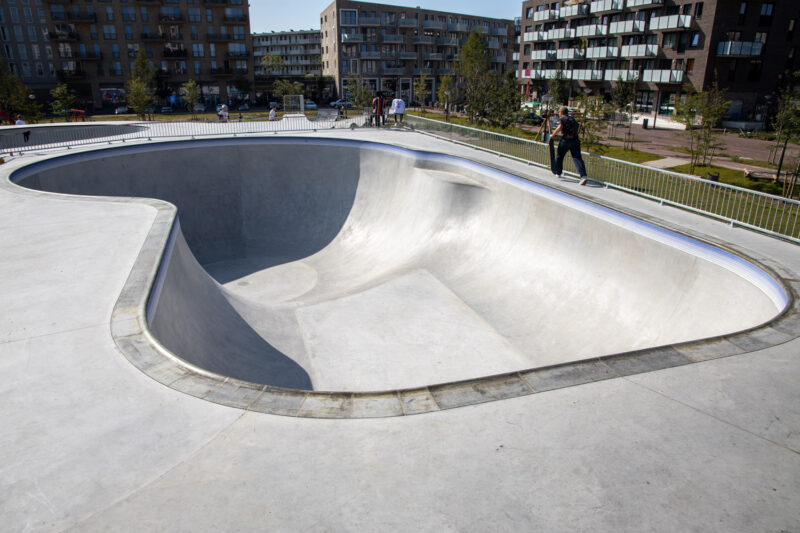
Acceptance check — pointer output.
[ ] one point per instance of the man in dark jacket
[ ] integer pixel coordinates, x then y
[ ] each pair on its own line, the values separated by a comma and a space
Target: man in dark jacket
378, 103
568, 129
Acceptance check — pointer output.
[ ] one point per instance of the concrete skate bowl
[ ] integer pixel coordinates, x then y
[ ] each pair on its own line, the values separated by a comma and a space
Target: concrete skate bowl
298, 266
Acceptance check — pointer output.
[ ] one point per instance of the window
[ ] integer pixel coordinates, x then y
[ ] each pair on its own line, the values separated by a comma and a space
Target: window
197, 67
742, 13
109, 32
23, 51
529, 13
115, 50
761, 37
197, 50
348, 17
209, 15
115, 68
194, 14
695, 39
765, 18
143, 14
128, 14
128, 34
754, 72
790, 31
690, 66
687, 9
109, 13
133, 49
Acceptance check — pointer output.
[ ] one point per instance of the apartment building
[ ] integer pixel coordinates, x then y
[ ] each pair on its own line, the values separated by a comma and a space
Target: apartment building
302, 62
391, 46
747, 45
96, 42
25, 44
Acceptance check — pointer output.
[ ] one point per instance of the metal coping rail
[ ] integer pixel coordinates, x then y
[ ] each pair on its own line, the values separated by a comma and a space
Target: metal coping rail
22, 139
773, 215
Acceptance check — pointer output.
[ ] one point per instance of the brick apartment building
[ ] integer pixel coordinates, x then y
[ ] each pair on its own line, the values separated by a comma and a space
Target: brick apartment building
390, 46
25, 45
96, 42
302, 61
747, 45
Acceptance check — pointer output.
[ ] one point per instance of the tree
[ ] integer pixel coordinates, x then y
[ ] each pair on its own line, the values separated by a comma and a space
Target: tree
140, 97
786, 122
15, 96
191, 91
504, 100
558, 86
283, 88
421, 90
700, 112
63, 99
686, 113
590, 115
446, 94
622, 95
473, 71
271, 63
144, 70
360, 92
243, 84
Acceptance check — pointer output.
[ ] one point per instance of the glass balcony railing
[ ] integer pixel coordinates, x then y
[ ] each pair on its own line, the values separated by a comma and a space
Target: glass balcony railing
739, 48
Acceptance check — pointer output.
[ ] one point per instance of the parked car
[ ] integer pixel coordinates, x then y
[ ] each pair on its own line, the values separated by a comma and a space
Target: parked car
166, 109
530, 118
121, 110
243, 107
310, 105
199, 108
342, 102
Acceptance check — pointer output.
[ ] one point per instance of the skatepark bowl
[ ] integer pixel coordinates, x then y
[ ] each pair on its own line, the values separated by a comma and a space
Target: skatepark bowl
296, 266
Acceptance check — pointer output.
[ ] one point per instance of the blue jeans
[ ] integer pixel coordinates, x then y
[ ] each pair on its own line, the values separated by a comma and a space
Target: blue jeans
573, 146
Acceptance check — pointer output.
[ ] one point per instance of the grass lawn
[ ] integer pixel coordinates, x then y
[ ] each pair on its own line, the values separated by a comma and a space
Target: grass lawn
632, 156
732, 177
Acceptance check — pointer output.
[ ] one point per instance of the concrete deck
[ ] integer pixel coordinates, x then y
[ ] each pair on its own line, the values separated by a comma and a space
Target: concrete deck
92, 444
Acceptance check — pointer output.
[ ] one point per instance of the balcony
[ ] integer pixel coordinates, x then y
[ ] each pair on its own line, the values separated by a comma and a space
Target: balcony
587, 75
570, 53
433, 57
175, 53
370, 54
444, 71
499, 32
406, 55
602, 52
591, 30
82, 17
407, 23
90, 56
577, 10
670, 22
393, 71
739, 49
639, 50
389, 23
433, 25
616, 75
424, 39
447, 41
389, 55
219, 37
458, 27
216, 2
235, 18
605, 6
644, 3
67, 54
369, 21
515, 57
497, 59
171, 18
239, 54
545, 15
561, 34
493, 44
543, 55
221, 71
352, 38
626, 26
662, 76
153, 36
393, 38
71, 74
64, 36
423, 71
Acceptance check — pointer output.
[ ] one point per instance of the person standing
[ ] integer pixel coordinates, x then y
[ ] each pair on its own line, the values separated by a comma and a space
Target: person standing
568, 129
378, 105
399, 108
19, 121
272, 114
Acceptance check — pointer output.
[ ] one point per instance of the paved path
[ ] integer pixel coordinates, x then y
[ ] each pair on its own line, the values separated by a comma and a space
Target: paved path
93, 444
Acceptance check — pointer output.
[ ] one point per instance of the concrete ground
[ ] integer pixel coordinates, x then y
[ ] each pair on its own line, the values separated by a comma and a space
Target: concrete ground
93, 444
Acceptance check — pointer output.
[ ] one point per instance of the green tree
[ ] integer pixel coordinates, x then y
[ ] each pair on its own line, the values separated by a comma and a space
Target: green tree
62, 98
144, 70
622, 95
686, 114
421, 90
283, 88
786, 122
140, 97
271, 64
712, 106
558, 86
504, 100
360, 92
15, 96
590, 114
243, 84
191, 91
473, 71
446, 94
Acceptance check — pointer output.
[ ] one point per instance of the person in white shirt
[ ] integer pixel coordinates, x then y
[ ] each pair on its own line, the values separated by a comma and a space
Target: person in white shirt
398, 108
19, 121
272, 113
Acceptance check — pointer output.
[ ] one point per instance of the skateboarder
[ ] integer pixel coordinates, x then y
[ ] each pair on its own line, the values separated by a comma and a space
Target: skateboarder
568, 129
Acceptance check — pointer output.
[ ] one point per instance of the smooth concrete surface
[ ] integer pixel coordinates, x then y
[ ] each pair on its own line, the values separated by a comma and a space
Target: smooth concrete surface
358, 267
93, 444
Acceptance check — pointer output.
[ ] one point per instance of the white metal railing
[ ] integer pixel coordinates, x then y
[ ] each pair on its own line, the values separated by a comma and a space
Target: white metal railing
670, 22
591, 30
600, 52
639, 50
739, 48
766, 213
626, 26
587, 75
542, 55
569, 53
604, 6
615, 75
561, 33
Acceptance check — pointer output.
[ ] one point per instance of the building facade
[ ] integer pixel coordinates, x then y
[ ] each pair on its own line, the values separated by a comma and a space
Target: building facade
302, 62
25, 44
746, 45
96, 42
390, 46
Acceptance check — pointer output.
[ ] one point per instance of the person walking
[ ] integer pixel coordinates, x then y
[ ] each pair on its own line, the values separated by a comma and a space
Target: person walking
568, 129
399, 109
378, 104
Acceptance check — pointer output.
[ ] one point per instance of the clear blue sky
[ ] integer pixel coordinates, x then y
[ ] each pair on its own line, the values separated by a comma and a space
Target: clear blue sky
280, 15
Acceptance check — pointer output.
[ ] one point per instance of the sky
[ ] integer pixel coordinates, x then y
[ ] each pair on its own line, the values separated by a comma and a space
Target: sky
282, 15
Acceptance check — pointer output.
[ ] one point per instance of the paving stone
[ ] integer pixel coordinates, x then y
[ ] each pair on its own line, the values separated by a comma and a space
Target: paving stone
325, 405
278, 402
707, 350
645, 361
196, 385
479, 391
417, 401
567, 375
376, 405
235, 396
